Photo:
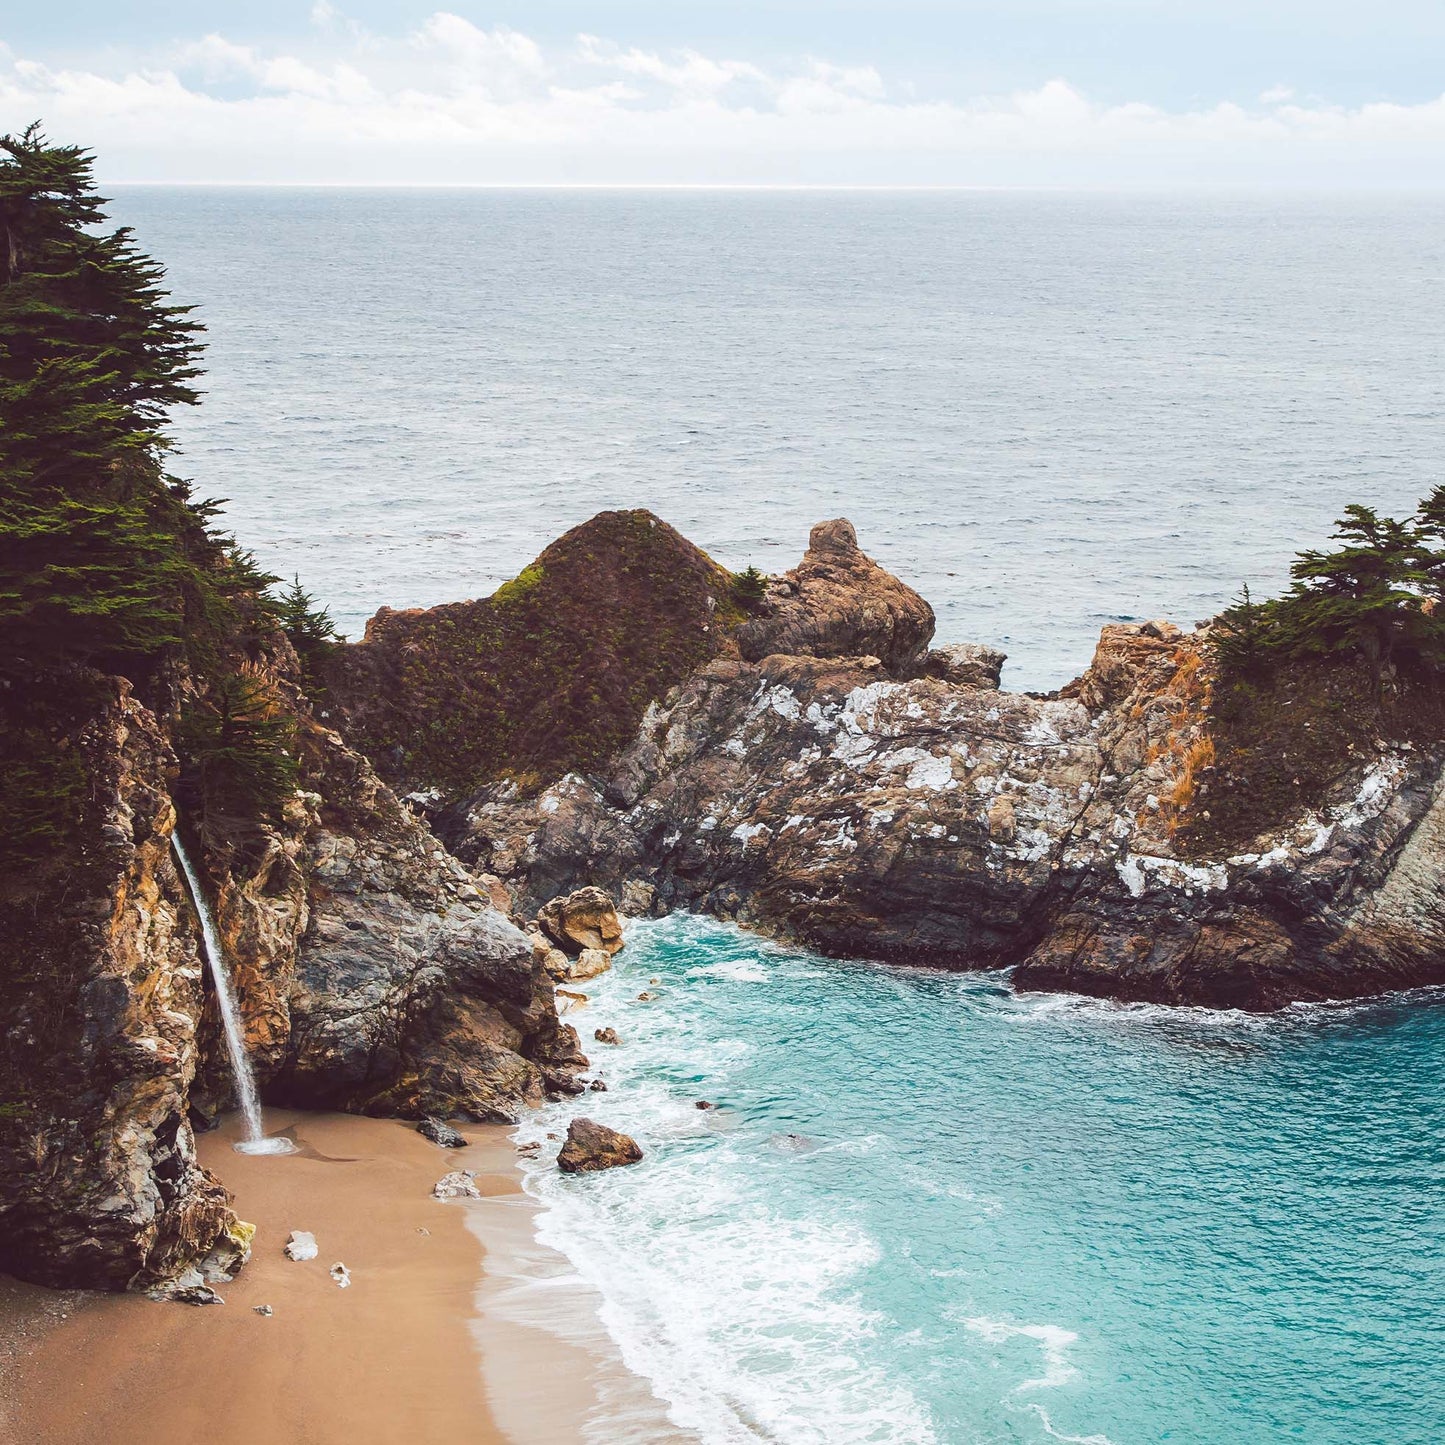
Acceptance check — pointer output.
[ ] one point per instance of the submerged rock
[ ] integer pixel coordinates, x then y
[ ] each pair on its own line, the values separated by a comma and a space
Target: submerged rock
591, 1146
608, 1035
440, 1132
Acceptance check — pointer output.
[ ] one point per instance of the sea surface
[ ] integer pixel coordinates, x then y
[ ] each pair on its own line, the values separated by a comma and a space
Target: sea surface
1046, 411
927, 1210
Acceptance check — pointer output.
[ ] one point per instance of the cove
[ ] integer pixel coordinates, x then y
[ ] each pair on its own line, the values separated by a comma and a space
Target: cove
926, 1208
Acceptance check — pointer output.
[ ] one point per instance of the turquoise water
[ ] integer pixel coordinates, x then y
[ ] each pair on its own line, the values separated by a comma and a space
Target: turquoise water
928, 1210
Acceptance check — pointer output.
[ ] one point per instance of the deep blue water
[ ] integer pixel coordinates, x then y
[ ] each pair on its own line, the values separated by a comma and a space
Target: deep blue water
1044, 410
929, 1210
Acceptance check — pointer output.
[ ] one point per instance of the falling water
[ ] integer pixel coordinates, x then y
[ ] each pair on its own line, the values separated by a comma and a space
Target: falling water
255, 1141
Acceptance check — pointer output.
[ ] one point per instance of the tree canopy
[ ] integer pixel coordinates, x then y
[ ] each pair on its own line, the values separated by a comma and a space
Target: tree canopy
103, 557
1378, 596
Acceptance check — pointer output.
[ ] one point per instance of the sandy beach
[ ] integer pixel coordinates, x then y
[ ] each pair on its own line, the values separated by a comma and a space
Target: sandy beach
393, 1357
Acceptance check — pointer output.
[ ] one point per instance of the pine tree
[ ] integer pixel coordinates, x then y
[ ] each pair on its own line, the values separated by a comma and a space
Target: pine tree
309, 629
1365, 595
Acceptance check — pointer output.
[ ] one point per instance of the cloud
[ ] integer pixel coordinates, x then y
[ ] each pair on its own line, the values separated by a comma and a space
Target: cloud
452, 102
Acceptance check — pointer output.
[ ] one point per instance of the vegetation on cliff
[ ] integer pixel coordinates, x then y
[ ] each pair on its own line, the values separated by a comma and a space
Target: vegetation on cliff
551, 673
1309, 684
108, 565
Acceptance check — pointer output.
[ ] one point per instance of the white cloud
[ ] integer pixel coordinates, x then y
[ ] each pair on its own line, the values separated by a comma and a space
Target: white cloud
453, 102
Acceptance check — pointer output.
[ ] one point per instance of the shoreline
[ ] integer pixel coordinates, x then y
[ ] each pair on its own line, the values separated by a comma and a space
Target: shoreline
448, 1330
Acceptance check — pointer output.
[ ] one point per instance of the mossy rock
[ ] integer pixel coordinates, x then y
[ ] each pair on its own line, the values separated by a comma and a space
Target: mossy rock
550, 674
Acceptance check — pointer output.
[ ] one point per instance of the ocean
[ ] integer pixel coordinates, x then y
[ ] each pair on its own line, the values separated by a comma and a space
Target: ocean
1045, 411
925, 1209
928, 1211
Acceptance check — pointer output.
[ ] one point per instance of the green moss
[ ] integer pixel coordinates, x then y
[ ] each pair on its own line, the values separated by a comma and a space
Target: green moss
526, 581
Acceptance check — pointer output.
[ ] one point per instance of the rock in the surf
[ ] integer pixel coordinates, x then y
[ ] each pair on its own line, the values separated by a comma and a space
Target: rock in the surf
592, 1146
584, 919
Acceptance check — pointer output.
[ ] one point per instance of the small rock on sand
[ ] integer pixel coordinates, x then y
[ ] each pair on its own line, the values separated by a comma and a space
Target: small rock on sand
341, 1274
440, 1132
457, 1185
301, 1245
265, 1310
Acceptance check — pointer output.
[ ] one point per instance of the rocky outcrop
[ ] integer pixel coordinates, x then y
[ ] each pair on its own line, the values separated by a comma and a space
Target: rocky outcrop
100, 1024
591, 1147
411, 993
839, 603
909, 811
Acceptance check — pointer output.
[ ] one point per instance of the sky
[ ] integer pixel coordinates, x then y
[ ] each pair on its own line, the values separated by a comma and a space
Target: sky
1086, 93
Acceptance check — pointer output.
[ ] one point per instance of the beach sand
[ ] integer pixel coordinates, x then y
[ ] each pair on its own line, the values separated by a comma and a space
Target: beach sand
394, 1357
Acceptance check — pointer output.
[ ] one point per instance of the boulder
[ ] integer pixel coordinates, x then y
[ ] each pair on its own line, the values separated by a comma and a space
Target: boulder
591, 1146
589, 963
440, 1132
608, 1035
966, 664
584, 920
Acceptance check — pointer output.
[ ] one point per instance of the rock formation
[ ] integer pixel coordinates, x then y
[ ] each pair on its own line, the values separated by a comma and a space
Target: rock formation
801, 763
373, 973
896, 805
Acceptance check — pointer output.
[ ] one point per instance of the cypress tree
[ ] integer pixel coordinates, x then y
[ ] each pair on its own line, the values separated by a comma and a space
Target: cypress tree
102, 556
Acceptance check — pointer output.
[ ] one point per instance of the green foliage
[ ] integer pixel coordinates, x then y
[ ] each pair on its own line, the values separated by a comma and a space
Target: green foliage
748, 588
236, 742
1376, 597
308, 628
1242, 635
102, 556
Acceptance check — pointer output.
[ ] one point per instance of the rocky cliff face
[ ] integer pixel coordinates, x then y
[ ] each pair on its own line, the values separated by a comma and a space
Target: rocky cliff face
372, 972
103, 999
896, 805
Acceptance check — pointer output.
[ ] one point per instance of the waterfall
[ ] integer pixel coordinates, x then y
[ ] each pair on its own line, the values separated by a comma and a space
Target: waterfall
255, 1141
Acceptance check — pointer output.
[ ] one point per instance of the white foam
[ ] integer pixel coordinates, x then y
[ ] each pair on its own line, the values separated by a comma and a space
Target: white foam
1053, 1340
741, 1311
734, 970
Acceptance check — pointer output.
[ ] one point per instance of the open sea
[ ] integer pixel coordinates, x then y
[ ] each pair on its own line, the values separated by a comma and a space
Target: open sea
1044, 411
924, 1210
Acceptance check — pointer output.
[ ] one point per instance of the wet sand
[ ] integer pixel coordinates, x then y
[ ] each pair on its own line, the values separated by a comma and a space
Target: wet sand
393, 1357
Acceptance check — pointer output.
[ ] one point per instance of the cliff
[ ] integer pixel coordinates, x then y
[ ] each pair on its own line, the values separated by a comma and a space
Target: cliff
373, 974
